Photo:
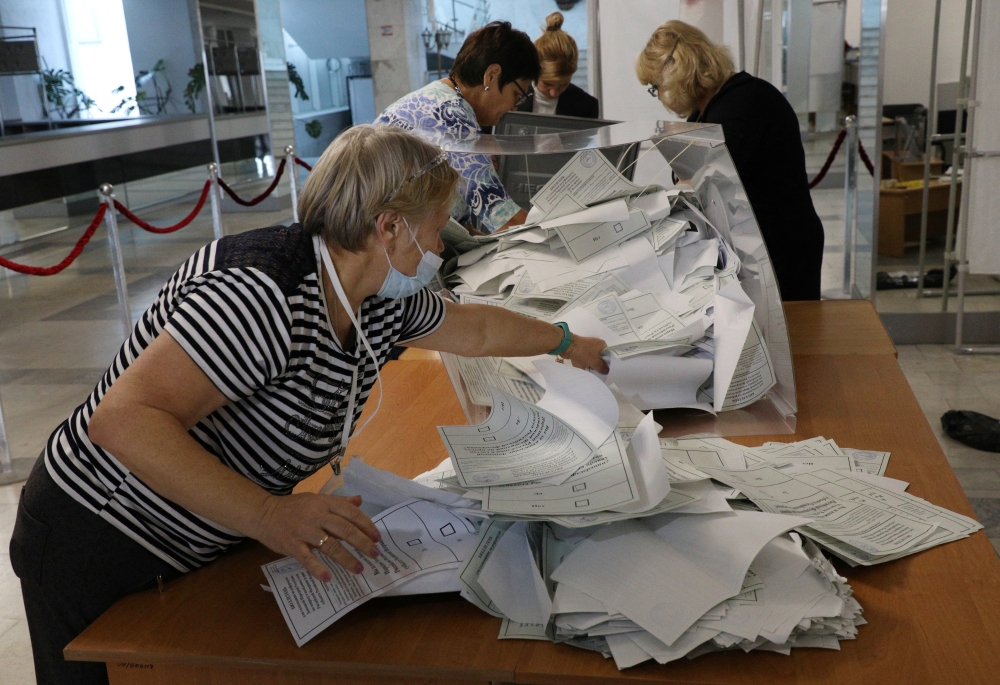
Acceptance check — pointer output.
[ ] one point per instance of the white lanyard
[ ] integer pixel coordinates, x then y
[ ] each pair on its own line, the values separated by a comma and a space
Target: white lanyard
324, 254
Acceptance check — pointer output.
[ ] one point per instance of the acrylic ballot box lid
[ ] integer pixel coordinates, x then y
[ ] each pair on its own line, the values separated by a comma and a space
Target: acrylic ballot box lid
658, 153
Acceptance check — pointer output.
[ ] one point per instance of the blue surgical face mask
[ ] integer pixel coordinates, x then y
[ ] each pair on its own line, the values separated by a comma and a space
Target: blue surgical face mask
398, 285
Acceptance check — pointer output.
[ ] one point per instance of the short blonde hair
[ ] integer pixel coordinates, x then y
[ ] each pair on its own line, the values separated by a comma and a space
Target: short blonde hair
557, 51
684, 65
370, 170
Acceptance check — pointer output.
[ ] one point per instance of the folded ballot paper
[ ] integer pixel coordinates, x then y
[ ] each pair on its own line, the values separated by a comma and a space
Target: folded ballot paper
590, 530
641, 268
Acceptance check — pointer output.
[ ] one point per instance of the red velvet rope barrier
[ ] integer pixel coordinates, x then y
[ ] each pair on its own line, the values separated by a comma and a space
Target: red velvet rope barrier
865, 158
250, 203
829, 160
833, 153
302, 164
169, 229
77, 249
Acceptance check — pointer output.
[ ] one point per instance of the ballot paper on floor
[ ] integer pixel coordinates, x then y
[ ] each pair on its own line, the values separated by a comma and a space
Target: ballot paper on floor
418, 538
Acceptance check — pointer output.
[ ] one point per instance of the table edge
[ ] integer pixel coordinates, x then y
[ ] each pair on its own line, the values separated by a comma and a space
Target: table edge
289, 666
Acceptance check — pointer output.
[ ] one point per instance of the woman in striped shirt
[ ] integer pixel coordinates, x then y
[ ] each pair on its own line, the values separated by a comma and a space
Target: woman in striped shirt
245, 376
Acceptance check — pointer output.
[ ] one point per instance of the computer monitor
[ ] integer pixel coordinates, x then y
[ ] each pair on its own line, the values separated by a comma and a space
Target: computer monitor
522, 181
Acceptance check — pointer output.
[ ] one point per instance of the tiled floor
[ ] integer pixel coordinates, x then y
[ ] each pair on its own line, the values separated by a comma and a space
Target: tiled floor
943, 381
57, 335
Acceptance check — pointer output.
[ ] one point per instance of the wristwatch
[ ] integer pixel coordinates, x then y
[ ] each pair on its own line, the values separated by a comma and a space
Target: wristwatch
566, 341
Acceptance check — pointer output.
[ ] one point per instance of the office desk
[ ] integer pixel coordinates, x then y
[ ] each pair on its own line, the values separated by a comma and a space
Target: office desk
899, 215
933, 617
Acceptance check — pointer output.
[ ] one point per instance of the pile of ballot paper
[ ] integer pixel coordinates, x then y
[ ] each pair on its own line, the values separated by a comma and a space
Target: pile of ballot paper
641, 268
574, 522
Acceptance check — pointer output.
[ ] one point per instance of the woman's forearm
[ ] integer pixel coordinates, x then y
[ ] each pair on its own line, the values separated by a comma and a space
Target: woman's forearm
508, 334
478, 330
153, 445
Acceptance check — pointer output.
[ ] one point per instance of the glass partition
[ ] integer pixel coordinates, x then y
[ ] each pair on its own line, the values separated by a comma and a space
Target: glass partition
648, 220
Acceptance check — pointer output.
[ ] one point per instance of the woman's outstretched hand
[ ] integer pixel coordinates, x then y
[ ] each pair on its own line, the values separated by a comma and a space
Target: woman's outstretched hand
585, 353
297, 524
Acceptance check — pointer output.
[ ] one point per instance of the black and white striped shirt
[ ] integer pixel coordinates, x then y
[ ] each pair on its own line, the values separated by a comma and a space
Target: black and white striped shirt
250, 312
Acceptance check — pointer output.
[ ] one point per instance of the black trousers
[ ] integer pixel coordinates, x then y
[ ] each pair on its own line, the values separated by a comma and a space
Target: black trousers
73, 566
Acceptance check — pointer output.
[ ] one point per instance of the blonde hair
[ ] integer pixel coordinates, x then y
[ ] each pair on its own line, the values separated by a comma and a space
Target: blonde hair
369, 170
557, 50
684, 65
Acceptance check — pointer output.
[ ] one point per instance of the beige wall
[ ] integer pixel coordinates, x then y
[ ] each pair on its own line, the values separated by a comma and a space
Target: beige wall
397, 50
909, 29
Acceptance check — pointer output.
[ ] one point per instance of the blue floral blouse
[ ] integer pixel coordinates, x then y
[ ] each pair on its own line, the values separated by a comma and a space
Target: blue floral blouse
437, 107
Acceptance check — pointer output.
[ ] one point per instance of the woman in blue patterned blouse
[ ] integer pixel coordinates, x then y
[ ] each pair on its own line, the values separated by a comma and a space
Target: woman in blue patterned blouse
491, 75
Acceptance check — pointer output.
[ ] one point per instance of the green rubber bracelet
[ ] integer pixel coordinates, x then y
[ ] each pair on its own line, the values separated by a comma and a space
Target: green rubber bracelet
566, 341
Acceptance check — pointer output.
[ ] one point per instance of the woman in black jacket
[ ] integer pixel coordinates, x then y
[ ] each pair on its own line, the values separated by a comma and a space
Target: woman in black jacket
553, 93
695, 79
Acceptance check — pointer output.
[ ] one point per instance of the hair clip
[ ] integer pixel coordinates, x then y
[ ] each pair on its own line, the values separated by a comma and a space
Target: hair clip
439, 159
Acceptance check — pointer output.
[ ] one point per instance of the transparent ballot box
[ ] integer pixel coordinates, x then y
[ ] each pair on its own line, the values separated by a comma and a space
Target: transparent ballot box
640, 233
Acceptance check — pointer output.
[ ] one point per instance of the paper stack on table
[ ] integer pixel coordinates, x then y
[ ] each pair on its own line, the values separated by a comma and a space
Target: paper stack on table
858, 515
566, 459
641, 268
573, 522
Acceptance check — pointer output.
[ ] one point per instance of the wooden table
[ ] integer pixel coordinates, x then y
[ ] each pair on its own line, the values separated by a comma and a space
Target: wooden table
899, 215
933, 617
836, 327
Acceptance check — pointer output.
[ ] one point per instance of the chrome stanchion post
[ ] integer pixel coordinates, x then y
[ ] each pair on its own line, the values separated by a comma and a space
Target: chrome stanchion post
213, 192
117, 265
293, 179
956, 150
929, 126
850, 190
5, 466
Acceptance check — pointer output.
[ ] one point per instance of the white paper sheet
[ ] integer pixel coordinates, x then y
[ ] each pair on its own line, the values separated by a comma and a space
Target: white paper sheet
675, 499
653, 479
644, 272
656, 205
584, 240
679, 566
616, 210
518, 442
605, 481
384, 489
875, 521
418, 537
588, 178
468, 572
511, 579
869, 461
656, 381
580, 400
512, 630
482, 373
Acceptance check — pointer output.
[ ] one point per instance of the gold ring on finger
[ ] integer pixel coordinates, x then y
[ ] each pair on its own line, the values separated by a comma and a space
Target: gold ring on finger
323, 541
